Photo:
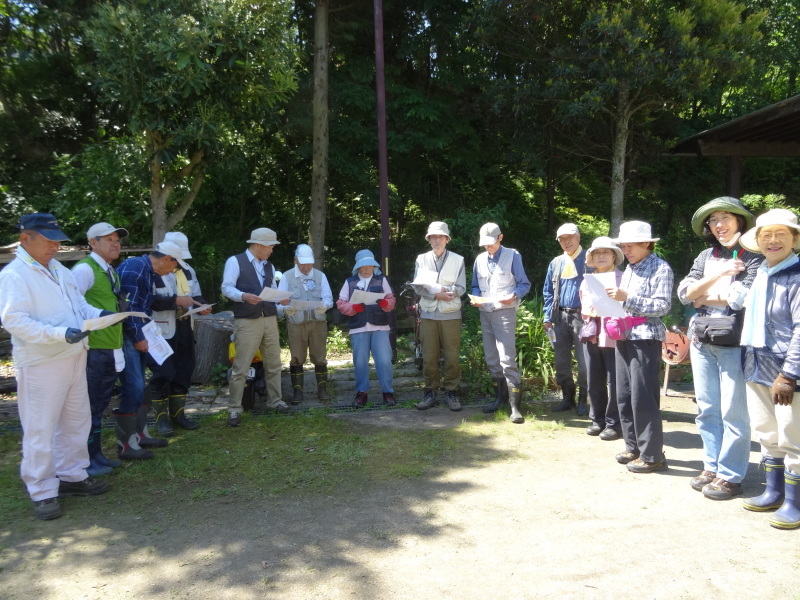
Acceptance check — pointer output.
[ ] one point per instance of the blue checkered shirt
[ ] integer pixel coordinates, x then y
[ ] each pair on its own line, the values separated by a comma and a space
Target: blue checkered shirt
137, 280
648, 284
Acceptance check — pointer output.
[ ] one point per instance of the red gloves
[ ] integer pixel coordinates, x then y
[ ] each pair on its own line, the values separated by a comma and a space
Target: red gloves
359, 308
383, 303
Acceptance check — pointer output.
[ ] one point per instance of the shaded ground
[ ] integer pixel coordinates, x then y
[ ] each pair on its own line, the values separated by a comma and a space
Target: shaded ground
532, 511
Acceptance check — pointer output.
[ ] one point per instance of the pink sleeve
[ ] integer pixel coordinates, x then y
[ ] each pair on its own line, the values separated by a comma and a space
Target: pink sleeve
346, 308
390, 299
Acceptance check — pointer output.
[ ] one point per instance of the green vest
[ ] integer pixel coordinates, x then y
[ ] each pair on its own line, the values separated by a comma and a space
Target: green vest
100, 295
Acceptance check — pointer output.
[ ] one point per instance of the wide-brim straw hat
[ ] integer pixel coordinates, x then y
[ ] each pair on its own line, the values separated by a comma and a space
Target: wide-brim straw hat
776, 216
634, 232
605, 243
723, 203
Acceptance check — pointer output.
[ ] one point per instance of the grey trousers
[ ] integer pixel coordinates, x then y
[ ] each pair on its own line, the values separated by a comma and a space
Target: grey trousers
639, 397
567, 327
499, 331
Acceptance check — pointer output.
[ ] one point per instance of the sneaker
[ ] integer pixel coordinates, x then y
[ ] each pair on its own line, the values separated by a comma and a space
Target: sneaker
234, 418
719, 489
609, 434
641, 466
624, 458
87, 487
428, 400
388, 399
282, 408
360, 401
47, 509
451, 399
702, 480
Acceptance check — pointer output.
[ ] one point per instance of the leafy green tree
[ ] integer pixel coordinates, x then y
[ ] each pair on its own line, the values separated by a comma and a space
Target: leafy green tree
193, 78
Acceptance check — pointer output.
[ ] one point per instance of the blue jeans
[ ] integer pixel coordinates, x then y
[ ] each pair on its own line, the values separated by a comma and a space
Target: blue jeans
378, 343
132, 378
722, 419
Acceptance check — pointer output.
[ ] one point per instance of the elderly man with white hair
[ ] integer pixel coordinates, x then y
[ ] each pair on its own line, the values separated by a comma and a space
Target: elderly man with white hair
307, 328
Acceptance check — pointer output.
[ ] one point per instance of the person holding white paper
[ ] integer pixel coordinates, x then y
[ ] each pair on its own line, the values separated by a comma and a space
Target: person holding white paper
138, 281
178, 292
604, 256
255, 321
498, 273
307, 330
42, 309
725, 269
369, 327
440, 329
99, 282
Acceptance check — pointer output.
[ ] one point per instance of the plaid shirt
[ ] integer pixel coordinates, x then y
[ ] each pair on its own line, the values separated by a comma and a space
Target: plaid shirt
137, 280
648, 284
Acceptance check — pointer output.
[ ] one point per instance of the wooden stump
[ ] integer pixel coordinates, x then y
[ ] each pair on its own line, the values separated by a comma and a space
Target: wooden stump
212, 334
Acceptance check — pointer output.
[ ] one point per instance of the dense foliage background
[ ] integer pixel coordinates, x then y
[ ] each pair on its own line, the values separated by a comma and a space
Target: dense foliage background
529, 113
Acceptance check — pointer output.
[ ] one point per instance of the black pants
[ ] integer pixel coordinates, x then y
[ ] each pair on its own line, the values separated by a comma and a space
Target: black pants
639, 397
601, 374
174, 376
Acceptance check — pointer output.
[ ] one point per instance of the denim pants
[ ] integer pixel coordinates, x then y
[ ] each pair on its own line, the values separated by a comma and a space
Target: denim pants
639, 397
131, 395
378, 343
722, 418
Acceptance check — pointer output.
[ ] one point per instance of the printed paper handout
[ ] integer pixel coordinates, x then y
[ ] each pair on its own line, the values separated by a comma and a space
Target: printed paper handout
272, 295
596, 284
427, 279
362, 297
109, 320
195, 310
157, 346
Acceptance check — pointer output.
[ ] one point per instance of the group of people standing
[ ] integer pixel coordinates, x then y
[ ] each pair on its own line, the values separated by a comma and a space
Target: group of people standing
745, 347
745, 341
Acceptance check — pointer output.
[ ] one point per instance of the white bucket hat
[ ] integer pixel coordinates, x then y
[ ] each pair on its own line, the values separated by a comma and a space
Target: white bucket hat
181, 241
365, 258
635, 231
438, 228
489, 234
304, 254
263, 236
606, 243
776, 216
98, 230
567, 229
170, 249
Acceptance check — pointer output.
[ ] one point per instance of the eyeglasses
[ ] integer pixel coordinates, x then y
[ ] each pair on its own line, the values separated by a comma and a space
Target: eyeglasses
774, 235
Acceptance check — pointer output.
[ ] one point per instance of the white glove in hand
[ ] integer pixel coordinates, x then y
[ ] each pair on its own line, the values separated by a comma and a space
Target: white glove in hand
321, 310
290, 311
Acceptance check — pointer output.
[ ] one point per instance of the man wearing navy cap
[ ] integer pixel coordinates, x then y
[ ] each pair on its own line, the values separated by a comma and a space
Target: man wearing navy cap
42, 309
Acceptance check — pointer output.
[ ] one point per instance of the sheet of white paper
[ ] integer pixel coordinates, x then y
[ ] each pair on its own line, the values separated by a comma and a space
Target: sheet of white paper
306, 304
195, 310
495, 300
109, 320
273, 295
427, 279
720, 286
362, 297
596, 284
157, 346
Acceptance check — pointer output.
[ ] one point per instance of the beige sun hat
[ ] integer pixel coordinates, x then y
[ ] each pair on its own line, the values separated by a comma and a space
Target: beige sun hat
263, 236
776, 216
633, 232
438, 228
606, 243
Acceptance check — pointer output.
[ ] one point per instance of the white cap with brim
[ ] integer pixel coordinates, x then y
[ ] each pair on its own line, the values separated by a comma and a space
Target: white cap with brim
304, 254
776, 216
567, 229
488, 234
99, 230
170, 249
180, 240
634, 232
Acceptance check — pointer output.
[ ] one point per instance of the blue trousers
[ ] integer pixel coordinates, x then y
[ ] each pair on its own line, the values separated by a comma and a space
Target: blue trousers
378, 343
132, 378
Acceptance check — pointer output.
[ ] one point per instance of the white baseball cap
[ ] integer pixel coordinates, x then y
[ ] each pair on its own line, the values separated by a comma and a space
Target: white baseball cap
304, 254
567, 229
173, 250
98, 230
489, 233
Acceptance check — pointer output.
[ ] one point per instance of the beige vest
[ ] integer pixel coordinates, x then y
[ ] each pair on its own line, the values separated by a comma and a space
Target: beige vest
447, 277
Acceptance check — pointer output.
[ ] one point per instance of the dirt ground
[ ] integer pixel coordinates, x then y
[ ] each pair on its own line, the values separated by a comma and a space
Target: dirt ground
520, 512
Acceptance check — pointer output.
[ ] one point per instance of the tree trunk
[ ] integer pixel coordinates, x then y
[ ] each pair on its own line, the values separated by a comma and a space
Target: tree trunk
319, 172
212, 335
618, 154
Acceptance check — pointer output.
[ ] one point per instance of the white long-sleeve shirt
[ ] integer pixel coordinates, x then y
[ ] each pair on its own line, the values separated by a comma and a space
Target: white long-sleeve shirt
37, 306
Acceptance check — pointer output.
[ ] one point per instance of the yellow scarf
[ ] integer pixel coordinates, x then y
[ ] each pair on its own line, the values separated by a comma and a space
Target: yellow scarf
569, 271
182, 283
